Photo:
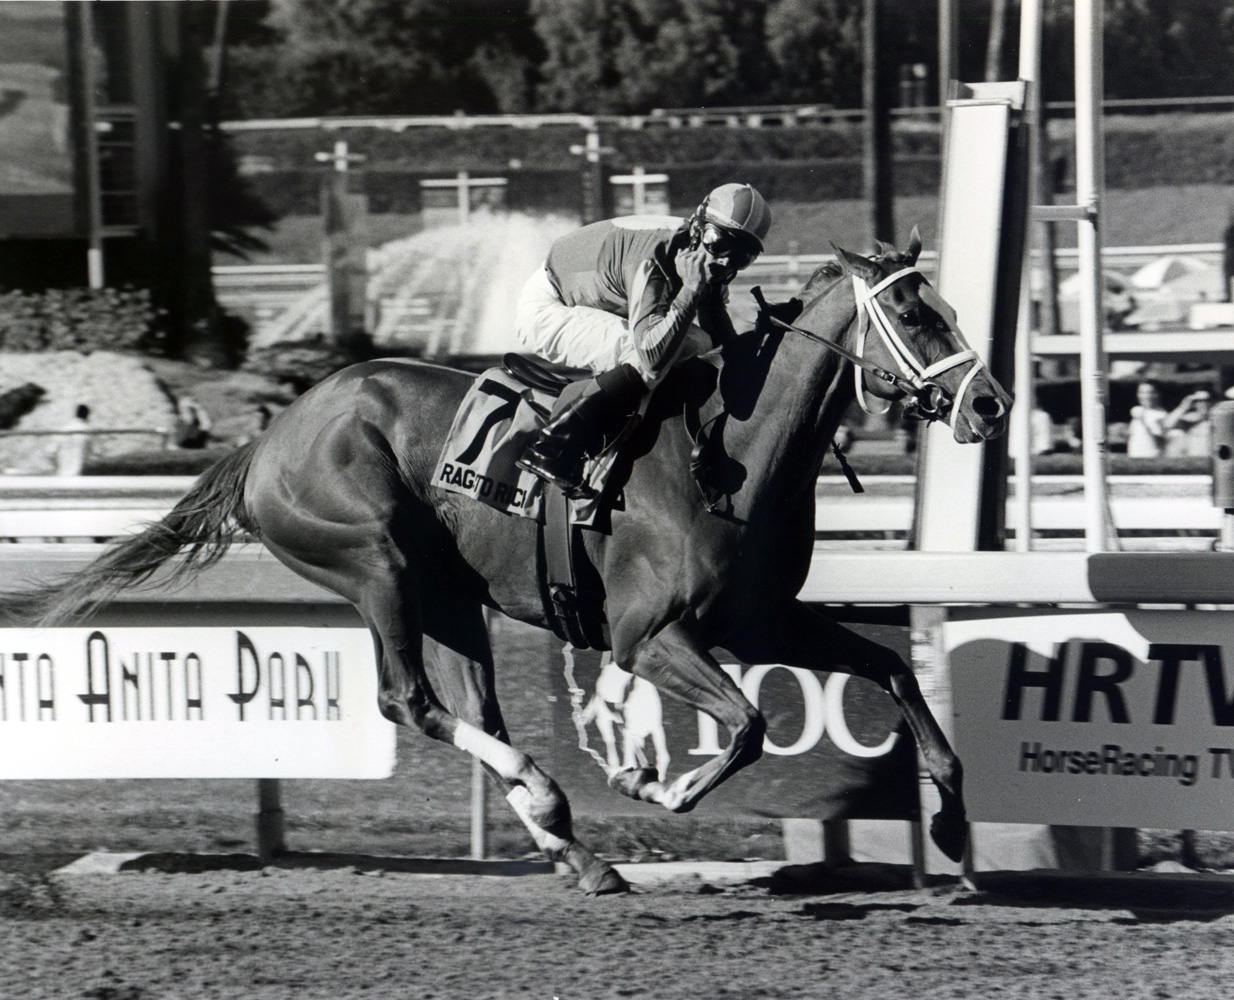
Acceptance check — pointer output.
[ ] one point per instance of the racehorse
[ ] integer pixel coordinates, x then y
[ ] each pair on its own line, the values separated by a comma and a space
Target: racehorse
338, 488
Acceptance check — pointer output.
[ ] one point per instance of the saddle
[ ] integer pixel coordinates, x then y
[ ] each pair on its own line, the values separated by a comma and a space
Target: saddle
534, 374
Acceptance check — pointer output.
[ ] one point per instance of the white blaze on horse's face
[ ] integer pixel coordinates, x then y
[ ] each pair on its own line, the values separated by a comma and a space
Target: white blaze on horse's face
918, 338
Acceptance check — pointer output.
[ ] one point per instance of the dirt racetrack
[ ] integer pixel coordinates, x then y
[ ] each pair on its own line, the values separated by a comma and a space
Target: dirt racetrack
368, 930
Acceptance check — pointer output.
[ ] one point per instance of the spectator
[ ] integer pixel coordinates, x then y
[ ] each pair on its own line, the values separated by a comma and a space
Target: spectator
192, 424
1146, 433
69, 449
1069, 437
261, 420
1188, 431
1041, 430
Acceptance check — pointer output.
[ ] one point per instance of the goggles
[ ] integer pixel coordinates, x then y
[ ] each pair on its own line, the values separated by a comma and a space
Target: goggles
719, 243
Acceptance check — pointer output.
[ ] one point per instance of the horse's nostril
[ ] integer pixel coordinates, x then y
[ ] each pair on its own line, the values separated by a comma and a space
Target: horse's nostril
989, 407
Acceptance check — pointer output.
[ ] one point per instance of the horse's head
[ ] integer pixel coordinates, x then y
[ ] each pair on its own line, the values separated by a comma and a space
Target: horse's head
908, 331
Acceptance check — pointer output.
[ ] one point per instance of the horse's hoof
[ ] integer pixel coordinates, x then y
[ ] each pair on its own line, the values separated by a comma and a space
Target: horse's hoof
603, 881
631, 780
950, 834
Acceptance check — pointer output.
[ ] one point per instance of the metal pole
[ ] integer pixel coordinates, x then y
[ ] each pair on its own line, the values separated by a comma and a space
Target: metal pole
1090, 185
994, 46
218, 60
479, 810
1021, 414
948, 50
94, 194
271, 839
877, 127
479, 784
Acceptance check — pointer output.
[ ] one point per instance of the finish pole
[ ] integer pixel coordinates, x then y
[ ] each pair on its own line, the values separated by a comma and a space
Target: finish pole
1090, 192
1025, 393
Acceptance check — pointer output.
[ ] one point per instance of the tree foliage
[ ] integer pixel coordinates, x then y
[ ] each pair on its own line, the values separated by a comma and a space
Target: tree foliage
334, 57
324, 57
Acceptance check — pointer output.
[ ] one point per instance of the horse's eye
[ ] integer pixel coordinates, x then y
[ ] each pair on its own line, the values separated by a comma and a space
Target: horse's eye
910, 317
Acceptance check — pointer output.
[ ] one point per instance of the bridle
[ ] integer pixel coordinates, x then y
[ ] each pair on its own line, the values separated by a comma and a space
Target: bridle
927, 400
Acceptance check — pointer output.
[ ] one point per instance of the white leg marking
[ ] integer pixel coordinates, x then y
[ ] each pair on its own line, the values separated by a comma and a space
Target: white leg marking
552, 845
501, 757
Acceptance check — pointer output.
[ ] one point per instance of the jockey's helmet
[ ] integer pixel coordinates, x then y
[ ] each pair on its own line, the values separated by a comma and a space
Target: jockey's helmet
737, 209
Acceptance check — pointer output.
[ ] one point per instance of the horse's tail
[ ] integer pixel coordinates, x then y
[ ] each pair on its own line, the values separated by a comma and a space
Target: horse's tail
205, 520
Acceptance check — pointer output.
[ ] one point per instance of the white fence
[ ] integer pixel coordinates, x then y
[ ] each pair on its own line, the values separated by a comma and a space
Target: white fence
1150, 511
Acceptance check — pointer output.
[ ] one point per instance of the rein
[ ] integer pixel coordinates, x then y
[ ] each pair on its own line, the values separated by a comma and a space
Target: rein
929, 400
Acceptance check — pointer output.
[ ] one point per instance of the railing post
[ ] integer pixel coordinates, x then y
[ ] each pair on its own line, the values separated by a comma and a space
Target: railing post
270, 827
1221, 418
479, 783
479, 811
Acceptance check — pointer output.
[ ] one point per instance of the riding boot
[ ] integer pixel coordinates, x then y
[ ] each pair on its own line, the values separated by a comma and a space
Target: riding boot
583, 428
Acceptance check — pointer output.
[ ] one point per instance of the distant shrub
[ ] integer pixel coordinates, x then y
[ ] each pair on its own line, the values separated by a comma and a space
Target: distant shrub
79, 319
299, 364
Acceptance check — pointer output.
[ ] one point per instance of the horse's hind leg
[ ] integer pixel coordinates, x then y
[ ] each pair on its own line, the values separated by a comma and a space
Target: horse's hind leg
365, 537
798, 636
467, 715
459, 652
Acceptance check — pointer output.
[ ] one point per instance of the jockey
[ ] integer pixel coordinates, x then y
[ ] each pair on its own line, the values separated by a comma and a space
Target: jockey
622, 298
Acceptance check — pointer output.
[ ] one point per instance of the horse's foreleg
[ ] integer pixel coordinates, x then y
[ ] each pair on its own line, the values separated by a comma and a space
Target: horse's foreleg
463, 673
802, 637
680, 666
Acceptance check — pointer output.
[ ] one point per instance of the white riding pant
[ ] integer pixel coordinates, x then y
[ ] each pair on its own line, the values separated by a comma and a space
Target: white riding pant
583, 337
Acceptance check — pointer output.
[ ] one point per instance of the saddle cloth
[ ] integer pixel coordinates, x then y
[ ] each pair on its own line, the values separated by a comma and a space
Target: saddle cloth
493, 424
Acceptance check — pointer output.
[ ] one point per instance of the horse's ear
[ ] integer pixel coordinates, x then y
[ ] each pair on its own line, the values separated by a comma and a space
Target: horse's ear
914, 246
854, 263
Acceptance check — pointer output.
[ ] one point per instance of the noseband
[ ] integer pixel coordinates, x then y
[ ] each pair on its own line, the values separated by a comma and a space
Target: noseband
927, 399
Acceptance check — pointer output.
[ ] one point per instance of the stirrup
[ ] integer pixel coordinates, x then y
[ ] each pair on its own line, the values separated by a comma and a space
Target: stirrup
582, 492
575, 488
535, 464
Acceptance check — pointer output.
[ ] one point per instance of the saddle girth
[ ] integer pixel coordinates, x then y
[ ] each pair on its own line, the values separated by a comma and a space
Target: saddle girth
575, 612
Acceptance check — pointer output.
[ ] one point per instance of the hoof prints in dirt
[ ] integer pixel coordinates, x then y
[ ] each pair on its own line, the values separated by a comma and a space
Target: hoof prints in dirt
173, 863
28, 895
851, 911
115, 993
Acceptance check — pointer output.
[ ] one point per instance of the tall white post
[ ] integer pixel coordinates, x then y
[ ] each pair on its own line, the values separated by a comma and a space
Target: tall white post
1090, 192
1021, 414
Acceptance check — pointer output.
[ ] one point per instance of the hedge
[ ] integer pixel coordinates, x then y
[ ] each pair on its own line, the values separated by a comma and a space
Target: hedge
804, 162
79, 319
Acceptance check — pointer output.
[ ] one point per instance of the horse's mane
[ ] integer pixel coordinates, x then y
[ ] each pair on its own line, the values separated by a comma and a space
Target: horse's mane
829, 272
824, 276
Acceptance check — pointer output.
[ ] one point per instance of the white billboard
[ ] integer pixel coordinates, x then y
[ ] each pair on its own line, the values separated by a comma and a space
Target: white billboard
1096, 719
191, 703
